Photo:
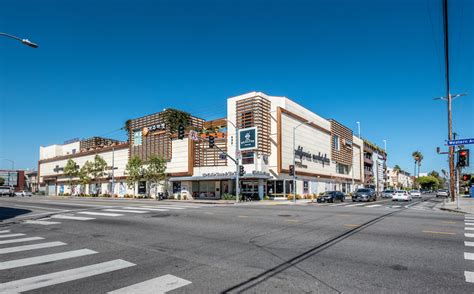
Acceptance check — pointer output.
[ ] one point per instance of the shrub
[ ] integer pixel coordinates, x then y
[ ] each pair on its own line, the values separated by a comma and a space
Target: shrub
227, 196
292, 197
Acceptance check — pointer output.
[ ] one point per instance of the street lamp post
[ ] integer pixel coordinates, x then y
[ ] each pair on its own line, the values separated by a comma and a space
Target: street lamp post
294, 159
24, 41
385, 163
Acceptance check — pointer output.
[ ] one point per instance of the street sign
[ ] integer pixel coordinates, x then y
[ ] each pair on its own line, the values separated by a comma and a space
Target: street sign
194, 135
248, 139
460, 142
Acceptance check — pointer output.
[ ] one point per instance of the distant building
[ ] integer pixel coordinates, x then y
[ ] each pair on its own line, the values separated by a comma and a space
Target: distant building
375, 167
401, 180
31, 178
14, 178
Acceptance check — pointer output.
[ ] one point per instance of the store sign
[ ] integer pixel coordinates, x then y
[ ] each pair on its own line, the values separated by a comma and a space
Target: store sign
226, 174
153, 128
248, 139
323, 159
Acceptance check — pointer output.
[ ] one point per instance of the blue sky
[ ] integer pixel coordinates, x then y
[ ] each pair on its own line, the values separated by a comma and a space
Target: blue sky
103, 62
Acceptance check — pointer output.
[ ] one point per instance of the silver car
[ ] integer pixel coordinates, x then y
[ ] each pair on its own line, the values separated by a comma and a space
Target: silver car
388, 193
442, 193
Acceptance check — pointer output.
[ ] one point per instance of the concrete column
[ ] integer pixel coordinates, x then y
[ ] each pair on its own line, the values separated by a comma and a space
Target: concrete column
261, 189
284, 188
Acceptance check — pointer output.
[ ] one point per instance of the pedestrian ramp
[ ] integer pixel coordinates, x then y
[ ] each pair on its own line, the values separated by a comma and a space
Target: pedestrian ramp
32, 247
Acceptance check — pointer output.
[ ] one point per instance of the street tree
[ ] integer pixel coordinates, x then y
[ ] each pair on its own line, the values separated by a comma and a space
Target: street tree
428, 182
71, 170
84, 173
397, 171
97, 170
2, 181
134, 171
155, 171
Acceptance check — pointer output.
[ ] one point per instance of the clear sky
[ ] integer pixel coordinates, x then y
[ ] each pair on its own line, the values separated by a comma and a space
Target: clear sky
103, 62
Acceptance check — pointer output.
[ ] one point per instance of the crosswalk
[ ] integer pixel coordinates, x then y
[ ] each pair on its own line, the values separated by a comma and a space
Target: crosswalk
362, 205
469, 235
161, 284
118, 211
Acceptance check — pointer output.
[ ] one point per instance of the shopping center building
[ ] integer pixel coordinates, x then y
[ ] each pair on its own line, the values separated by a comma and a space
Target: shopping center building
274, 132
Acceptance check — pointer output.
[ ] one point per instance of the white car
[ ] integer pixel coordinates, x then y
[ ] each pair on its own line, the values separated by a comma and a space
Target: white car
415, 193
401, 195
23, 193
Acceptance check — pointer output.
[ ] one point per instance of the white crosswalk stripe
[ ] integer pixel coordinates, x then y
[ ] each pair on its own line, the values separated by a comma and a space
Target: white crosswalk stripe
468, 235
41, 222
396, 206
42, 281
469, 224
358, 204
373, 205
469, 229
469, 276
4, 231
44, 258
11, 235
165, 207
30, 247
71, 217
100, 213
20, 240
339, 204
158, 285
124, 210
147, 209
468, 256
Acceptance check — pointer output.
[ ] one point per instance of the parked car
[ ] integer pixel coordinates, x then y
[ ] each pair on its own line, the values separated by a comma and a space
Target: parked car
415, 193
364, 194
402, 195
331, 196
388, 193
6, 191
23, 193
442, 193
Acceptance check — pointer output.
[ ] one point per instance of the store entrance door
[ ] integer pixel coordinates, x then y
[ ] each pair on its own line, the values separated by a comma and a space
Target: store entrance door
249, 189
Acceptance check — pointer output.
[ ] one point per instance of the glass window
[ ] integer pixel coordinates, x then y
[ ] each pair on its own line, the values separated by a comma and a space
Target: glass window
305, 187
336, 142
137, 138
247, 158
342, 169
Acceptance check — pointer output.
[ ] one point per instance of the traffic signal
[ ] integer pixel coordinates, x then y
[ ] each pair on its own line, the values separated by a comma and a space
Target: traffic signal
211, 141
292, 170
180, 132
463, 158
241, 171
466, 177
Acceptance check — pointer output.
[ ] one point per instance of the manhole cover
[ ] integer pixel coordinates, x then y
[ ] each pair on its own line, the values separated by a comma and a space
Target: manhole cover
398, 267
284, 215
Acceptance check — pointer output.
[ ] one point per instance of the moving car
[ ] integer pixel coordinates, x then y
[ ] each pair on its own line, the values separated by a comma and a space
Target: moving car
23, 193
364, 194
415, 193
442, 193
388, 193
402, 195
331, 196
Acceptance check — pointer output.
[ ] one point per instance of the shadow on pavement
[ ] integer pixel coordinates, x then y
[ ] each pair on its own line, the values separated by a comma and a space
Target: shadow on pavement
8, 212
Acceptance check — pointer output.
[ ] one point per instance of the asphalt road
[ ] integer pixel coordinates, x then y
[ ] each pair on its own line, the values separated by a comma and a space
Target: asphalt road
103, 245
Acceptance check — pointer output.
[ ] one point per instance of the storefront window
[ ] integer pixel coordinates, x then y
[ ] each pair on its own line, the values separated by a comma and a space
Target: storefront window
176, 187
279, 187
305, 187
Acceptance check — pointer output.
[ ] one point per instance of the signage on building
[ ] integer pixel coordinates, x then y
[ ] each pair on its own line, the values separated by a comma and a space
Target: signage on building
248, 139
321, 158
194, 135
153, 128
232, 174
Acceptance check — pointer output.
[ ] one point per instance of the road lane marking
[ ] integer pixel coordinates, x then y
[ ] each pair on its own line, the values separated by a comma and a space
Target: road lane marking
30, 247
4, 231
164, 207
439, 233
44, 258
339, 204
373, 205
41, 222
468, 256
468, 235
124, 210
71, 217
147, 209
11, 235
469, 229
358, 204
158, 285
38, 207
21, 240
396, 206
469, 244
469, 224
99, 213
63, 276
448, 222
469, 276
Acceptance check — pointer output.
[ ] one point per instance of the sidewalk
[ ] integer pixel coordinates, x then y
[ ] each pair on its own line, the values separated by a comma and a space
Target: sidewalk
466, 205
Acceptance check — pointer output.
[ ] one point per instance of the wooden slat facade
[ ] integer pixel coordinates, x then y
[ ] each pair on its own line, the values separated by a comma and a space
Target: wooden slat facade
344, 154
205, 156
255, 112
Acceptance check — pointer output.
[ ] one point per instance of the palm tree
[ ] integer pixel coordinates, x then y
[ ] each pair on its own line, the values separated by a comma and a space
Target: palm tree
416, 156
420, 159
397, 170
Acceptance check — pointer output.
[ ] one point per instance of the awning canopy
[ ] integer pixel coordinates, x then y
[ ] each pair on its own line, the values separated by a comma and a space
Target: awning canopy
220, 177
